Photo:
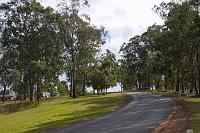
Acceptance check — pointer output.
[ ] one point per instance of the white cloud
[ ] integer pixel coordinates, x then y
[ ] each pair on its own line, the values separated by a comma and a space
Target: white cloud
122, 18
3, 1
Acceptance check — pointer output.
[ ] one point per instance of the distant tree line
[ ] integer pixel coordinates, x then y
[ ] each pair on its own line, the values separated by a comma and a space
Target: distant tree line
165, 56
39, 44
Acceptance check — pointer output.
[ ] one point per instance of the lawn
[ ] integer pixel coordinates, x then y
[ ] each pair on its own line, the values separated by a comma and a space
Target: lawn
161, 92
194, 107
60, 111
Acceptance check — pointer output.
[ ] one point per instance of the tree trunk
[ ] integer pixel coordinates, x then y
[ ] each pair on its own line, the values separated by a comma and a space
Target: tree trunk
84, 82
73, 71
177, 80
31, 91
182, 83
74, 86
121, 87
139, 86
193, 85
38, 88
197, 70
149, 85
71, 85
4, 93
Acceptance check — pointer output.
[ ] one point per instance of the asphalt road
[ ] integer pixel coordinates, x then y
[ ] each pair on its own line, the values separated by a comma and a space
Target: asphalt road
140, 116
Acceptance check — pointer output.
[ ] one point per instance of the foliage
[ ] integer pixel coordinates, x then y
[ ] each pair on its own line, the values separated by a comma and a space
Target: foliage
165, 56
39, 44
105, 73
82, 42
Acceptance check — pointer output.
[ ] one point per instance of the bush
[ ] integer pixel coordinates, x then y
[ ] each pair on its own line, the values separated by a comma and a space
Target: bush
18, 106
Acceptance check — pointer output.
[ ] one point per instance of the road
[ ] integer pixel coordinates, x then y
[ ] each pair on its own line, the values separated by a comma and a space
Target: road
140, 116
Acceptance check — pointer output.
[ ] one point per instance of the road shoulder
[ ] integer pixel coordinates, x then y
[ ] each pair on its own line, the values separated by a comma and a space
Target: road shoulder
178, 120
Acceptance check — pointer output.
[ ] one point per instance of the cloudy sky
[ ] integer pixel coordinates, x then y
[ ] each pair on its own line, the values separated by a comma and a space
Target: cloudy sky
122, 18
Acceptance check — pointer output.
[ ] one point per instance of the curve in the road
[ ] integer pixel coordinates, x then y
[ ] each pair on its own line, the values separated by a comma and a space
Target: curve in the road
140, 116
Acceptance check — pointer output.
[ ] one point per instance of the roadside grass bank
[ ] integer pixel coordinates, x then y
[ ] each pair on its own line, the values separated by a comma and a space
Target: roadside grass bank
177, 121
186, 114
60, 111
193, 105
162, 92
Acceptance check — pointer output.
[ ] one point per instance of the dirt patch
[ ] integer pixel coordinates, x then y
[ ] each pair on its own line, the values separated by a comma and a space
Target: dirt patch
177, 122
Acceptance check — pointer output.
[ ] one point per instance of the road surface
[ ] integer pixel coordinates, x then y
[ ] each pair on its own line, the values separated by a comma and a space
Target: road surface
140, 116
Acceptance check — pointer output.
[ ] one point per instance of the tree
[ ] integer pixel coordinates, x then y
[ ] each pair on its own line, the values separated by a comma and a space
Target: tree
82, 42
110, 70
133, 59
31, 35
5, 72
39, 44
165, 56
105, 73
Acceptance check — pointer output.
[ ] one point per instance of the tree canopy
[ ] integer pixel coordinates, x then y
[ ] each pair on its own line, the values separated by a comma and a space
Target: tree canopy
165, 56
38, 44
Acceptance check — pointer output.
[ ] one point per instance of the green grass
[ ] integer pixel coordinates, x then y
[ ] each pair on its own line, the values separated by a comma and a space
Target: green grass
194, 107
60, 111
161, 92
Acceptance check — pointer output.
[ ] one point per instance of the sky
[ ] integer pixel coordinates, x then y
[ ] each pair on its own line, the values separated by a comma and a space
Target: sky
122, 18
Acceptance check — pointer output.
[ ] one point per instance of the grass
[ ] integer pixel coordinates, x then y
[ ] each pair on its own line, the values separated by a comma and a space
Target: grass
194, 107
60, 111
161, 92
11, 107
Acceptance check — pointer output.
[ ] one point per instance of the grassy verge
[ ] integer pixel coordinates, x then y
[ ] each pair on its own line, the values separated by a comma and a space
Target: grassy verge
194, 107
60, 111
161, 92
